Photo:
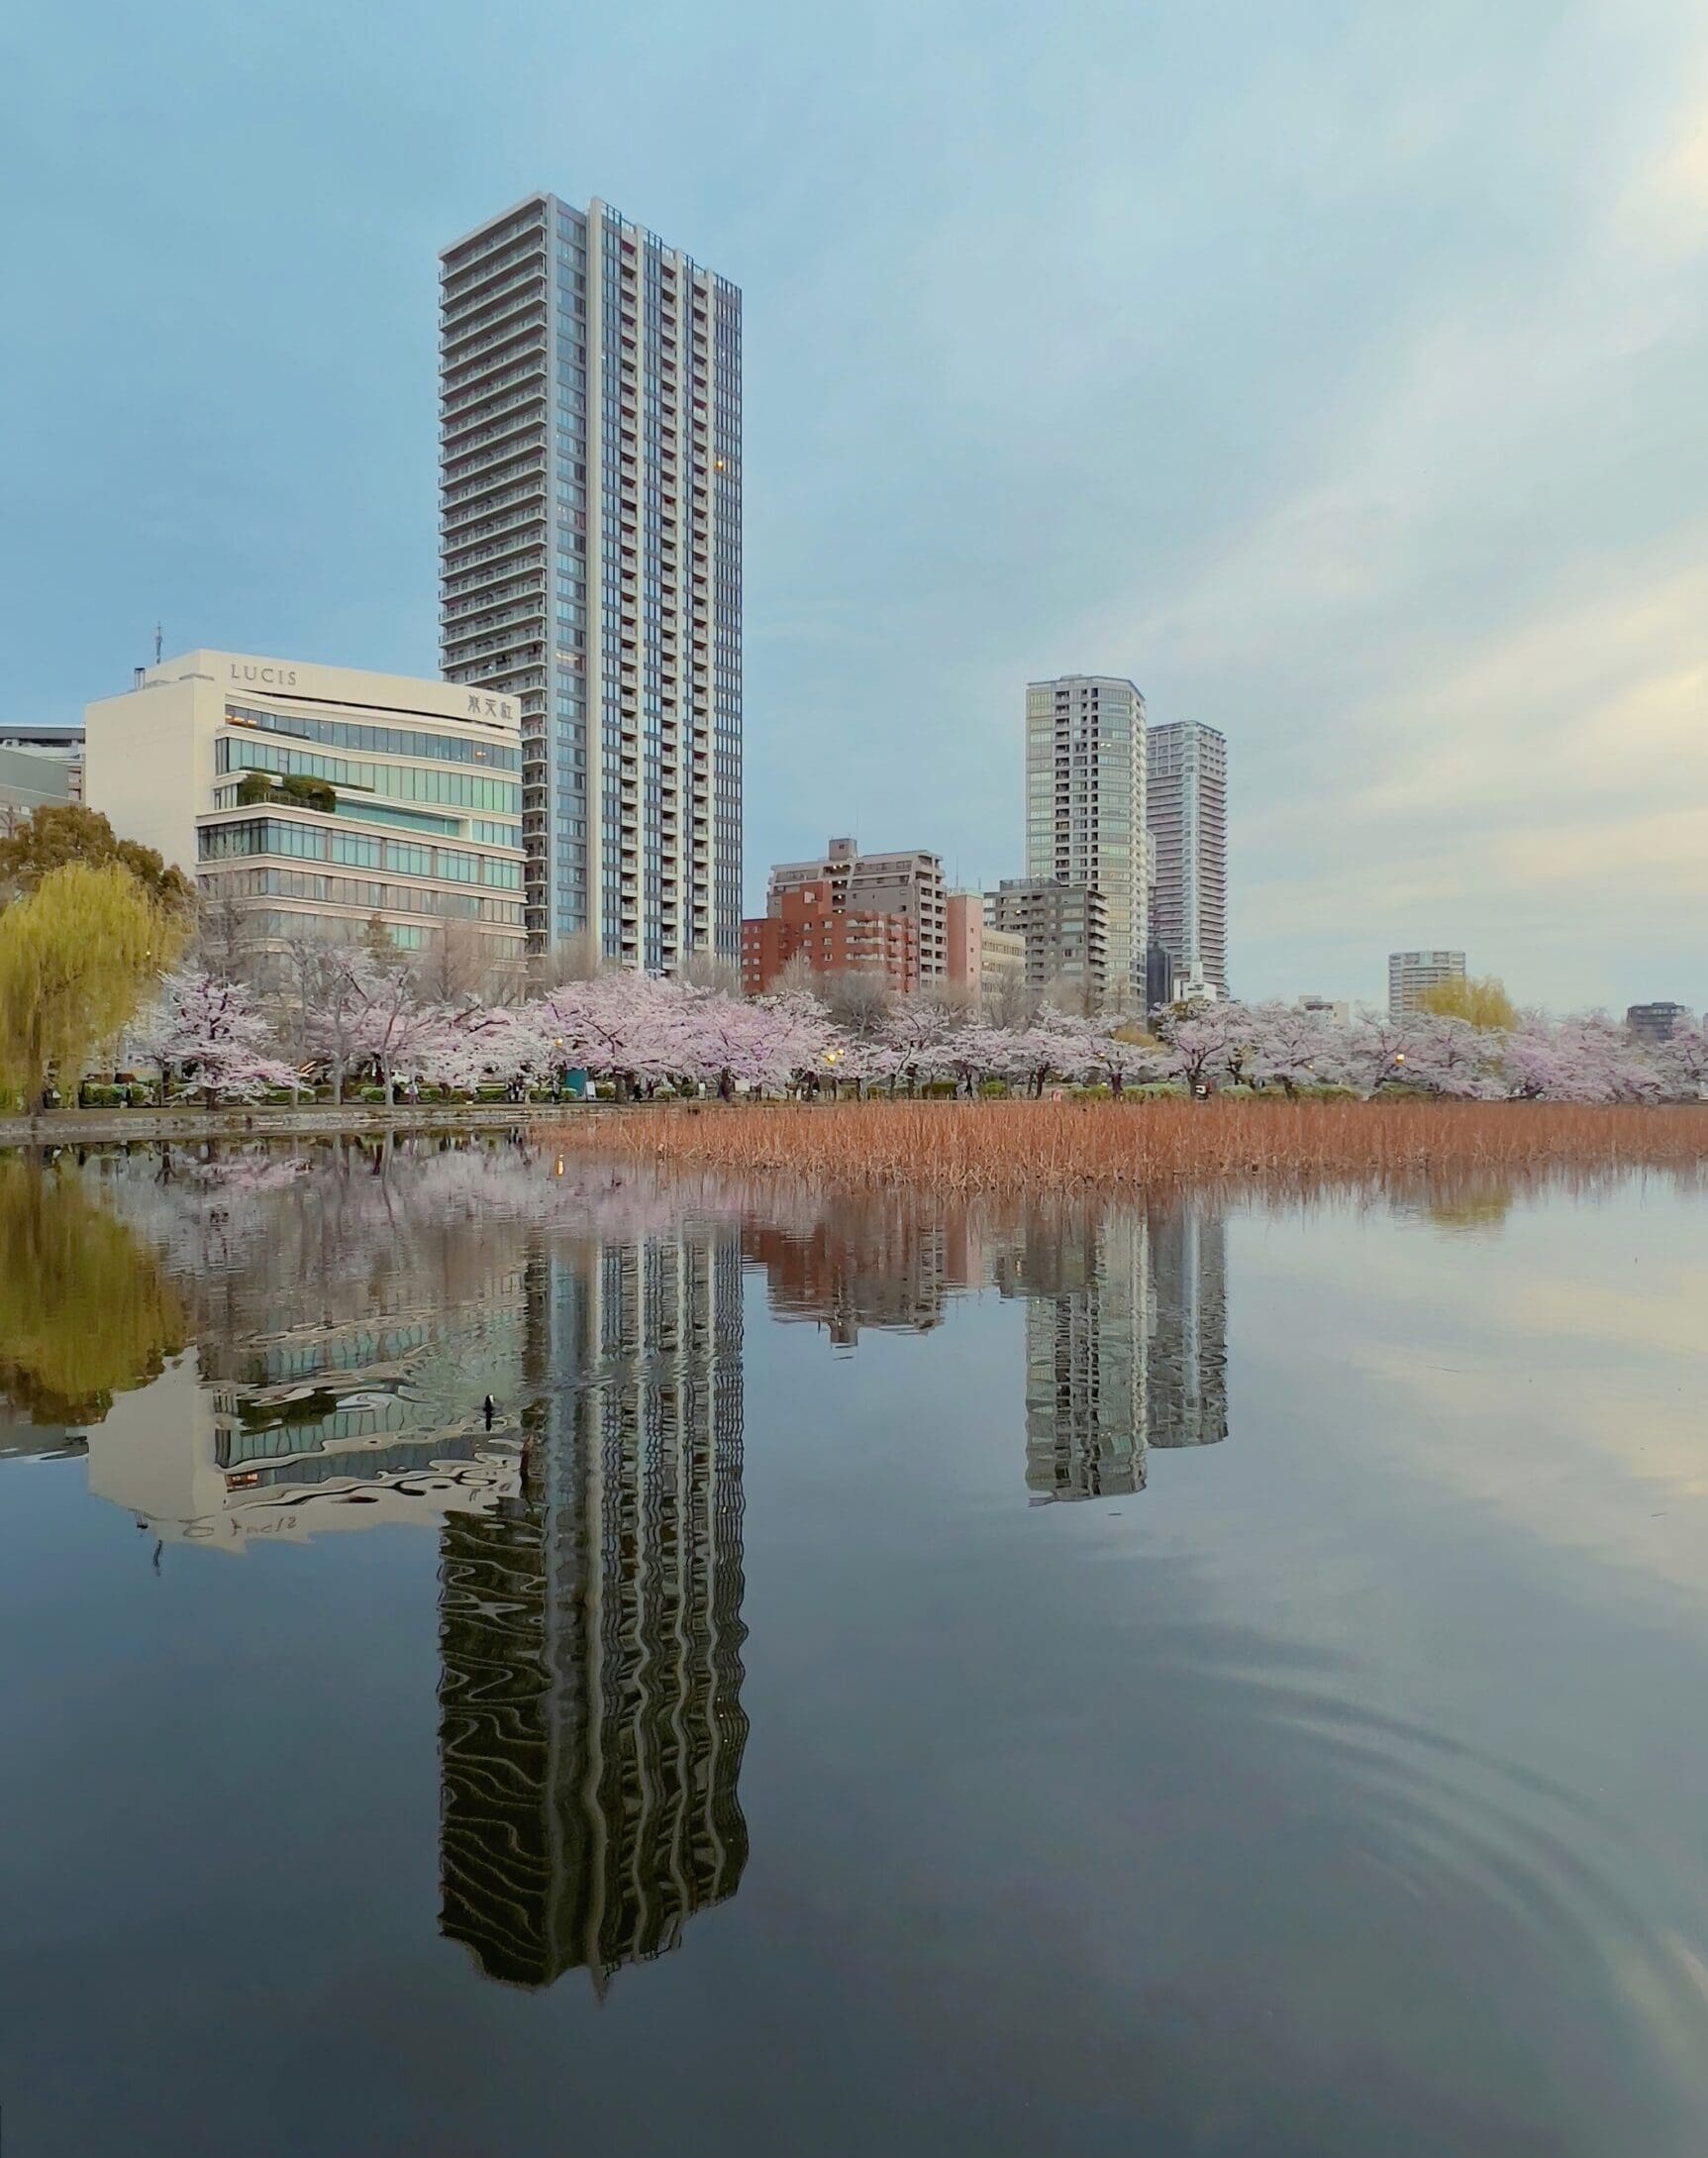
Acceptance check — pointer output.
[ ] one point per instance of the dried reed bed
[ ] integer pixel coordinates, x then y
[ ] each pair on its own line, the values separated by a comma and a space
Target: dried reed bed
1033, 1146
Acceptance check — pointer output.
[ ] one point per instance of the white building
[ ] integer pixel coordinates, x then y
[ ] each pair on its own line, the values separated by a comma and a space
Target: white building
1086, 808
1410, 973
590, 555
1187, 814
317, 797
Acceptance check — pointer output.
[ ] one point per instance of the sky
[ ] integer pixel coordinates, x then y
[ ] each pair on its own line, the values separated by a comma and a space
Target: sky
1335, 370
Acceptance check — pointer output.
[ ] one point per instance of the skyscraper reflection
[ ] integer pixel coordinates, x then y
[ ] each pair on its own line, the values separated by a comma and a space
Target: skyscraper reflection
1187, 1392
1125, 1342
590, 1632
1085, 1280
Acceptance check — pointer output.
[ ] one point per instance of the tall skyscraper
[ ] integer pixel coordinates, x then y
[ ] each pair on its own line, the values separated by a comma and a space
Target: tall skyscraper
1187, 814
590, 555
1085, 786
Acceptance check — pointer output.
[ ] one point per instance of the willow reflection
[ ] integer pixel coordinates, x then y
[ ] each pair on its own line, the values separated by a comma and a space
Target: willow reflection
85, 1310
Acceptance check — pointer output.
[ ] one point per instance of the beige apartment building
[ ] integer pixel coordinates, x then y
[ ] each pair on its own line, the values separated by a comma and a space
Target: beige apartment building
909, 883
316, 799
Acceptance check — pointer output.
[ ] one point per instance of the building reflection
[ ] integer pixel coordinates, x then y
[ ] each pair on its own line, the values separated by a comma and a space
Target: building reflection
1125, 1342
1188, 1385
879, 1261
590, 1632
350, 1313
1085, 1279
340, 1362
1126, 1312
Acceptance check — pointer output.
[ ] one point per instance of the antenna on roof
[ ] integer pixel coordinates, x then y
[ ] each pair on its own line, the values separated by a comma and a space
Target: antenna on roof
160, 635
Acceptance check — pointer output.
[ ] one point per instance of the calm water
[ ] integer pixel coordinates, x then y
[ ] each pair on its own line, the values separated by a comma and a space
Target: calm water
891, 1678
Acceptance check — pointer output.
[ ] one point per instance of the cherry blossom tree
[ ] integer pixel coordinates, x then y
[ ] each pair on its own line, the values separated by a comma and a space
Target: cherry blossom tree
1582, 1058
212, 1037
1292, 1047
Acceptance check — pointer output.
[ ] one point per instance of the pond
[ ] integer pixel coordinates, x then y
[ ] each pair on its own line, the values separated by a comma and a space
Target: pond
881, 1675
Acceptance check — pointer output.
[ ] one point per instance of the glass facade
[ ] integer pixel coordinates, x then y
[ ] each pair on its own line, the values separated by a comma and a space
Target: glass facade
353, 850
380, 740
395, 783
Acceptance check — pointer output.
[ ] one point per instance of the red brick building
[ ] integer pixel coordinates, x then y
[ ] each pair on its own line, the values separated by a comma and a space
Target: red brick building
808, 924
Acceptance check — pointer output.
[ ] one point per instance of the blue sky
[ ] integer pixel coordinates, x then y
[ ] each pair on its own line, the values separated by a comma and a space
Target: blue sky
1335, 370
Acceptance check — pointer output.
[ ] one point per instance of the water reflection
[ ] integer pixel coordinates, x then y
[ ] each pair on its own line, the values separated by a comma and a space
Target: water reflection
591, 1728
1423, 1871
85, 1311
308, 1338
1126, 1312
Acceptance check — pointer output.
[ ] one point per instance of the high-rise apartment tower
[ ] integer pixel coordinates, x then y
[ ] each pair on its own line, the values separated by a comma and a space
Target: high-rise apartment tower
1410, 973
1187, 812
590, 555
1085, 783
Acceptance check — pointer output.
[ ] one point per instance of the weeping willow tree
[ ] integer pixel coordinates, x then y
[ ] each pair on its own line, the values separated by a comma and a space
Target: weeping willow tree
85, 1311
1480, 999
77, 956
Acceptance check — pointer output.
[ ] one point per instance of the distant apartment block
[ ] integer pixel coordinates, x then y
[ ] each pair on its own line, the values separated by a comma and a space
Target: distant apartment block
1064, 929
1187, 809
907, 883
807, 924
1085, 808
590, 558
316, 799
1410, 973
41, 767
964, 931
1003, 958
1657, 1023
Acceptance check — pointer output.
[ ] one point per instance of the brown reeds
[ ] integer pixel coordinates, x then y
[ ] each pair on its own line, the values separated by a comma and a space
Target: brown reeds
1030, 1146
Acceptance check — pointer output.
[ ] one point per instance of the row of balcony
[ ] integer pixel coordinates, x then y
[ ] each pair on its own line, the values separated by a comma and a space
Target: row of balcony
496, 296
522, 530
523, 554
481, 365
496, 586
529, 368
531, 222
522, 447
473, 505
517, 316
501, 273
490, 424
484, 632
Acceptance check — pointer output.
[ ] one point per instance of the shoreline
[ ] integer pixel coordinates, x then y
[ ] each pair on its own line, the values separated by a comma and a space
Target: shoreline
101, 1127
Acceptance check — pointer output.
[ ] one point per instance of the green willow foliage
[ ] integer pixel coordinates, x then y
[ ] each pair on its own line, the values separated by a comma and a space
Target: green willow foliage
77, 957
85, 1311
